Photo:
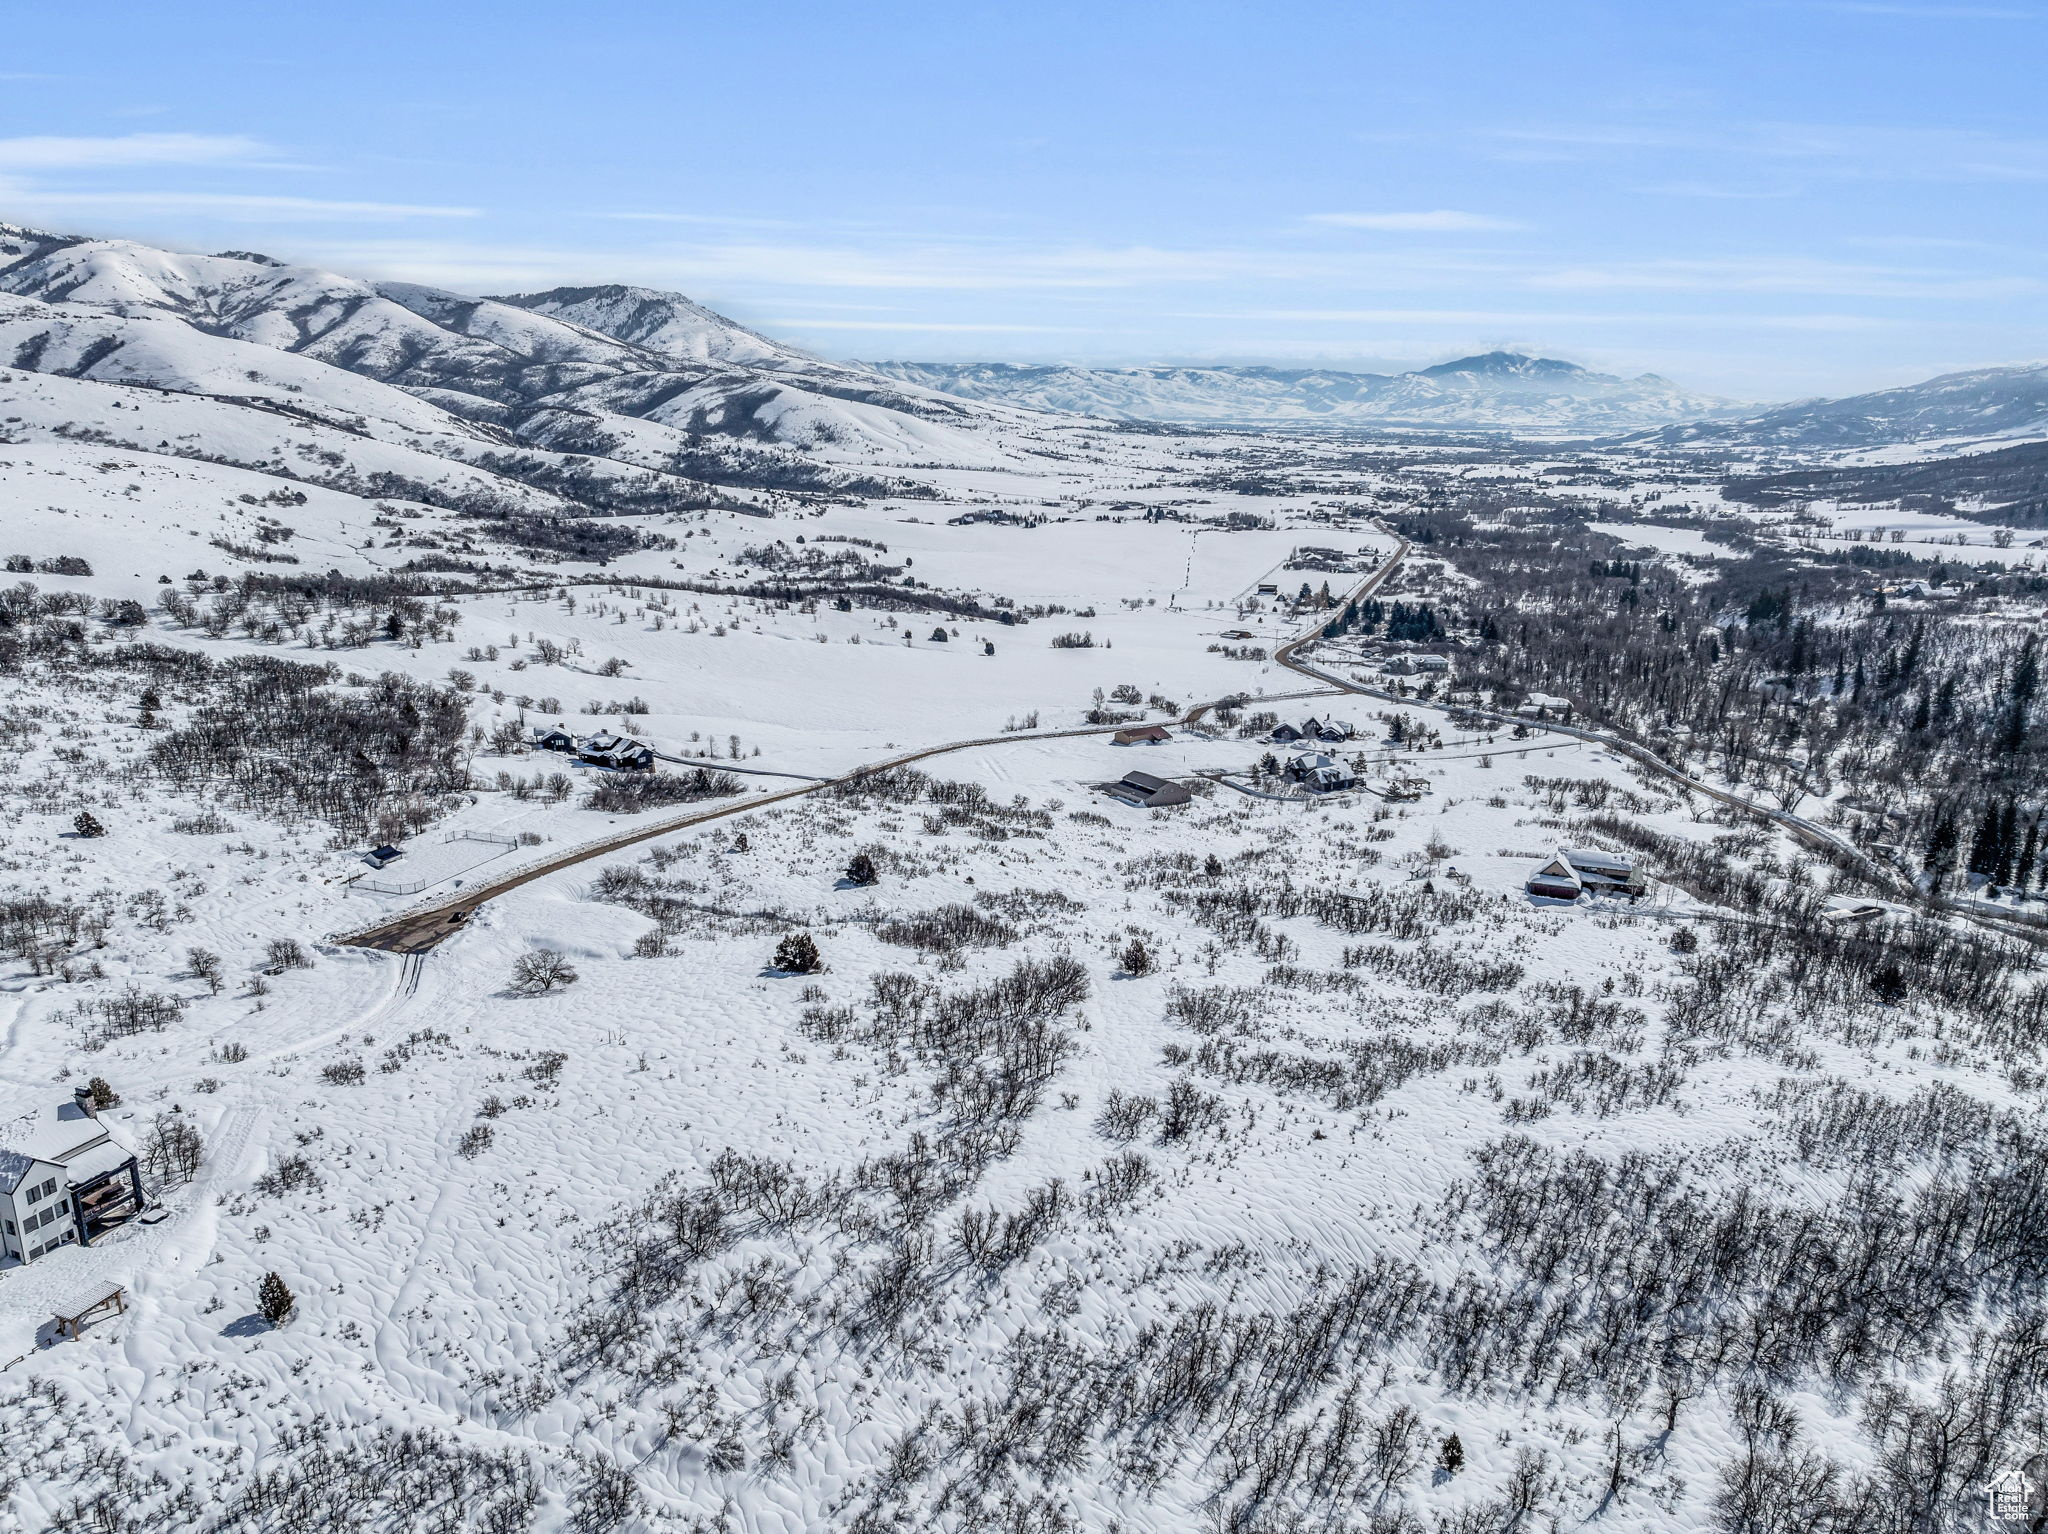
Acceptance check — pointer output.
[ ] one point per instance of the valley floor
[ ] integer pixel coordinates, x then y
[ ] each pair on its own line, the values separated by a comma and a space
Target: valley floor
1120, 1170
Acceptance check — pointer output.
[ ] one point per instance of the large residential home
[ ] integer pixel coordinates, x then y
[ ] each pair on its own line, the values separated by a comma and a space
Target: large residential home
607, 750
1576, 871
1320, 772
1329, 731
64, 1180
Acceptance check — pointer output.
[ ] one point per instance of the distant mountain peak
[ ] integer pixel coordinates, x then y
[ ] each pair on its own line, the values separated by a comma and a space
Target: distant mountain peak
1504, 365
667, 323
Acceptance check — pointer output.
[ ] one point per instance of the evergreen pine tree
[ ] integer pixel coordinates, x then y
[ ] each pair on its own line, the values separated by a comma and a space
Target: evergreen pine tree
1452, 1459
2008, 843
2023, 867
860, 869
798, 954
1983, 857
1941, 845
274, 1301
1136, 958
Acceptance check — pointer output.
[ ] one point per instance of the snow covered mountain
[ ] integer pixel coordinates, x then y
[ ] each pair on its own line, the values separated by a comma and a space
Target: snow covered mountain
1498, 391
670, 325
1981, 402
580, 400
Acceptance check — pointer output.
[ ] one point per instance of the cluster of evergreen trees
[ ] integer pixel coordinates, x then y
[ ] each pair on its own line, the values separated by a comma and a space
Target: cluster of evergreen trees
1402, 624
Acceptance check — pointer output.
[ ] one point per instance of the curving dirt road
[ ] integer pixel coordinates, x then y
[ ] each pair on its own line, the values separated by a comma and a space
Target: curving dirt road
418, 930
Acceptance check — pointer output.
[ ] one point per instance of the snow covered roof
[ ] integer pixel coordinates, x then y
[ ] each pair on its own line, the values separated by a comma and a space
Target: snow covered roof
1588, 859
54, 1131
97, 1160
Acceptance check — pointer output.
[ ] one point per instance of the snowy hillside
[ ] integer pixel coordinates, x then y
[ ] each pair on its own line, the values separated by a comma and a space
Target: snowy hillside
1980, 403
598, 420
1500, 391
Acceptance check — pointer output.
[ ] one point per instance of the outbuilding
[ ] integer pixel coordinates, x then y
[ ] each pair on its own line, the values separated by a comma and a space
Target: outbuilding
1147, 792
554, 739
1145, 734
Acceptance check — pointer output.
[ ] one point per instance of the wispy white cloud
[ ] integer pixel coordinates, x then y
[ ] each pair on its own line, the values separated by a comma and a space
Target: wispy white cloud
1787, 275
32, 177
781, 277
1539, 319
45, 152
247, 208
709, 220
1709, 190
1438, 221
756, 266
939, 326
1848, 151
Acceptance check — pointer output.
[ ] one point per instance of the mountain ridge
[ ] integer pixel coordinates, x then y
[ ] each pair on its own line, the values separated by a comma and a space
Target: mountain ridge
1497, 390
2006, 400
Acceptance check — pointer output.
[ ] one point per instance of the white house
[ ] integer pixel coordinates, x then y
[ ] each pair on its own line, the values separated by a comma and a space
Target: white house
63, 1180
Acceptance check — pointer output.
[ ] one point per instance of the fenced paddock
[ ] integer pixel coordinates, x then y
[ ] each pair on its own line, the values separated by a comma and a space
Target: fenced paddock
442, 868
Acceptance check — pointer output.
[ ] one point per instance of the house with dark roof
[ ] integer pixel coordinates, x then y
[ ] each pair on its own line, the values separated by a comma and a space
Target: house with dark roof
1145, 734
617, 751
554, 738
64, 1180
1145, 791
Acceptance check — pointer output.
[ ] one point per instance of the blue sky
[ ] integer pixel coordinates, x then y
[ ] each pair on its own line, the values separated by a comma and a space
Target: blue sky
1768, 198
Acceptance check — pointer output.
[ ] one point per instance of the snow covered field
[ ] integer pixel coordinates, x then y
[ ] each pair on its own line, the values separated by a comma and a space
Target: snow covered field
1264, 1163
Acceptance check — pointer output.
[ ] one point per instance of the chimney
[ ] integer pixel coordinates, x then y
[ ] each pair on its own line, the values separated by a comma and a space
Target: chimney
83, 1097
